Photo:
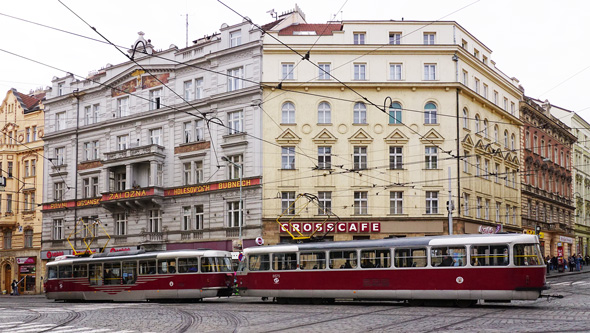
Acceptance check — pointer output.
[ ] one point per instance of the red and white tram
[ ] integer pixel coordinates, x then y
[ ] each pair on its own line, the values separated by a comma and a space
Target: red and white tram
192, 274
463, 268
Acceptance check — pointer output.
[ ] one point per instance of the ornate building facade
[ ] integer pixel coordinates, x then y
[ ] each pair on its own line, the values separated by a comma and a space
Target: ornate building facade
21, 164
547, 178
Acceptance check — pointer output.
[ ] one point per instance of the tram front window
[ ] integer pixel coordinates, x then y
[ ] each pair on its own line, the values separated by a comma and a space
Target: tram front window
527, 255
51, 272
65, 272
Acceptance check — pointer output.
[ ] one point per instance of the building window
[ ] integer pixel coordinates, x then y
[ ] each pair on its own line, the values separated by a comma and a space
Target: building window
496, 173
487, 209
361, 203
154, 220
156, 136
155, 99
485, 91
288, 157
395, 38
359, 38
495, 97
86, 188
235, 122
120, 180
476, 85
477, 125
60, 121
466, 204
94, 183
505, 106
466, 162
188, 90
324, 157
199, 88
430, 113
498, 212
288, 203
58, 191
58, 160
485, 128
287, 71
33, 168
199, 217
465, 118
121, 224
234, 79
395, 158
235, 38
187, 215
360, 113
431, 157
324, 72
496, 134
7, 239
429, 72
122, 142
360, 157
198, 171
288, 113
28, 134
60, 89
477, 166
123, 107
396, 202
9, 203
91, 150
58, 229
395, 72
234, 209
187, 173
429, 38
395, 113
360, 71
324, 113
478, 208
234, 168
26, 168
324, 203
28, 238
465, 77
431, 202
512, 108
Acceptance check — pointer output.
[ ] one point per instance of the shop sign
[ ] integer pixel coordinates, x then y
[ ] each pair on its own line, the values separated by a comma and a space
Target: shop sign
566, 239
119, 249
27, 269
532, 232
211, 187
127, 194
45, 255
26, 260
59, 205
488, 230
308, 227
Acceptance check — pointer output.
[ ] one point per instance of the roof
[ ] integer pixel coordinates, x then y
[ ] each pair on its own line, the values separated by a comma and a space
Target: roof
322, 29
29, 102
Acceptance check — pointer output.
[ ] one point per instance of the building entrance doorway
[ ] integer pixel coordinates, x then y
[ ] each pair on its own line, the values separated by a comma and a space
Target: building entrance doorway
7, 278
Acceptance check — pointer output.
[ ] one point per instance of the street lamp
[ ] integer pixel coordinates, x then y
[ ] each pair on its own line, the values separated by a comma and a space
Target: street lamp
240, 206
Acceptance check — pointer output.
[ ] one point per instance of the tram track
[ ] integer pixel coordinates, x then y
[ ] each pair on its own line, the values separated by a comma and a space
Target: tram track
72, 315
38, 316
189, 321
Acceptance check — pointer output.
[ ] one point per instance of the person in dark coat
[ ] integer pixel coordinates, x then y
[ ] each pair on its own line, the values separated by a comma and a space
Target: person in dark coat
14, 286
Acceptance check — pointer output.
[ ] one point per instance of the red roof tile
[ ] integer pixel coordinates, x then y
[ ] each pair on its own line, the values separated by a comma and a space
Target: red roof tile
321, 29
29, 102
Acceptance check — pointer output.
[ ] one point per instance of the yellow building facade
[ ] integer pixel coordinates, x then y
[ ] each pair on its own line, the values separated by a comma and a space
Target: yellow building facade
380, 125
21, 165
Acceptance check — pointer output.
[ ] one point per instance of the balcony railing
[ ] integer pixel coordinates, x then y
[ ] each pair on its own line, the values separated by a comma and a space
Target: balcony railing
195, 234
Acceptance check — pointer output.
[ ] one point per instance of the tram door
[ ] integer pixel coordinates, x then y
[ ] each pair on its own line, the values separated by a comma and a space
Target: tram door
95, 274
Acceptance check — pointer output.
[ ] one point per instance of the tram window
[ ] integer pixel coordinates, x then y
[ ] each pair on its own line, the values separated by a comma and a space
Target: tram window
112, 273
147, 267
52, 272
80, 270
167, 266
410, 257
284, 261
343, 259
375, 259
95, 274
448, 256
527, 255
312, 260
259, 262
216, 264
65, 271
489, 255
188, 265
129, 272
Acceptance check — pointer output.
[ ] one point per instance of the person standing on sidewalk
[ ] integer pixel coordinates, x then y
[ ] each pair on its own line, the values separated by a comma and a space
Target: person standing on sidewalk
14, 286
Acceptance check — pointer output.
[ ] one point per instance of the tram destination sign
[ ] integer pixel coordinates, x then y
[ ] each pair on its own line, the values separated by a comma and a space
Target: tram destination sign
342, 227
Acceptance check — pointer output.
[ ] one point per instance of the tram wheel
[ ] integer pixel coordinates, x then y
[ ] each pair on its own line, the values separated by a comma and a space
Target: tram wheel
465, 303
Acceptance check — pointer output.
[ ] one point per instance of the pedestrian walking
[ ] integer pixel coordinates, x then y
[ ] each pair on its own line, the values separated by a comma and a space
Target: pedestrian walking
14, 286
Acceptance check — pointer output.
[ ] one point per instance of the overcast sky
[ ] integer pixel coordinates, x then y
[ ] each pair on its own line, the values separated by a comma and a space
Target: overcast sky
543, 43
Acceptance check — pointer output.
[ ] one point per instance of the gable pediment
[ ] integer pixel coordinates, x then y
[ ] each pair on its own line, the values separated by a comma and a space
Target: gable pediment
360, 137
432, 136
467, 141
288, 137
396, 137
325, 137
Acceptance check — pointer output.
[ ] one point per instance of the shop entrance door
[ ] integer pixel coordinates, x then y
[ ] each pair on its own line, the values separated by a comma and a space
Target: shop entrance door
7, 278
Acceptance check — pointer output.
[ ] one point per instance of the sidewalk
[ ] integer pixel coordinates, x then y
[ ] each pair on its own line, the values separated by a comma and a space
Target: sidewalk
555, 274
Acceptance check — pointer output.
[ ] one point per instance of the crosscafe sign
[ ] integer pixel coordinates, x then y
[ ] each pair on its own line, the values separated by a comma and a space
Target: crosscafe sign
211, 187
128, 194
342, 227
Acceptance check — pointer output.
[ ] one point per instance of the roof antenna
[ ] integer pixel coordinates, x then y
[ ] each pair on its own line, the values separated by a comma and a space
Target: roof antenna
272, 13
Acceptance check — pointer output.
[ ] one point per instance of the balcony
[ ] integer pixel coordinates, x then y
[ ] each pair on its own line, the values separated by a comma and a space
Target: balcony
137, 152
187, 235
155, 237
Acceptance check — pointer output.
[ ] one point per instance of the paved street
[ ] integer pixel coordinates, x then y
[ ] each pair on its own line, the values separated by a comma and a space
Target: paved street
36, 314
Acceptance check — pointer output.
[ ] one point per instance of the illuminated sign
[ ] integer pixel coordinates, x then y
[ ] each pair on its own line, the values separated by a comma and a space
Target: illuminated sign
26, 260
127, 194
211, 187
88, 202
45, 255
342, 227
488, 230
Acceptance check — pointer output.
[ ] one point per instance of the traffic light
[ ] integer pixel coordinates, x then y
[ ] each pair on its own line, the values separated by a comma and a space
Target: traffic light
537, 230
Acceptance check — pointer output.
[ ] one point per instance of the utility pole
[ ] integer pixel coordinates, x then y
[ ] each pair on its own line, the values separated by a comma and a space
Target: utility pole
450, 205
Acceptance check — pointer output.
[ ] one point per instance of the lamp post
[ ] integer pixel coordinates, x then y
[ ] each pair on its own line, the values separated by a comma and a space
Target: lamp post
240, 204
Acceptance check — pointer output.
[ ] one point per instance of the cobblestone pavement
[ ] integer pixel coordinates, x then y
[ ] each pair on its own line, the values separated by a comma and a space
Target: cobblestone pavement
25, 314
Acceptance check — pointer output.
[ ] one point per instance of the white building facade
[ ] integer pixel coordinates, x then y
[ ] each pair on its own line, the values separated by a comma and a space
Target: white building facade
155, 152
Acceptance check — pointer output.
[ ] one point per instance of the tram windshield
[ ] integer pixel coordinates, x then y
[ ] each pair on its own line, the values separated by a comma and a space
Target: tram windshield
527, 255
215, 264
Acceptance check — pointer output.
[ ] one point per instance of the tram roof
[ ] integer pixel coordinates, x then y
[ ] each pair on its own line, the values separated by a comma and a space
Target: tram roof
144, 255
400, 242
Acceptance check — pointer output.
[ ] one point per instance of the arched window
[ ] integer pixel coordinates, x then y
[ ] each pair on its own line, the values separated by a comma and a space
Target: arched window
477, 129
465, 118
430, 113
324, 113
288, 113
360, 113
506, 139
395, 113
496, 134
512, 142
485, 128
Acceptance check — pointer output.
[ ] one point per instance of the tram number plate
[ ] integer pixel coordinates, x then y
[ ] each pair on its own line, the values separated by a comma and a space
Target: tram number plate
375, 283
